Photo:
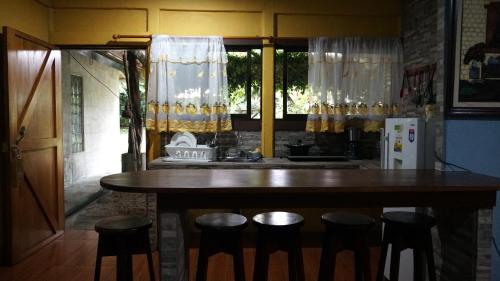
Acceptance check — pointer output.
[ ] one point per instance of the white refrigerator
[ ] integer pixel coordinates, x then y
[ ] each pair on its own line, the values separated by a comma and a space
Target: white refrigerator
406, 143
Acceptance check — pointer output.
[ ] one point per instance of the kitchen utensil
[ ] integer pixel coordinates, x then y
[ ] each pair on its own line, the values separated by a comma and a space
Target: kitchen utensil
299, 149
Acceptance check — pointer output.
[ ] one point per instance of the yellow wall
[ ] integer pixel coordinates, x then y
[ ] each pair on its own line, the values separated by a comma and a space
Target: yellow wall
95, 21
27, 16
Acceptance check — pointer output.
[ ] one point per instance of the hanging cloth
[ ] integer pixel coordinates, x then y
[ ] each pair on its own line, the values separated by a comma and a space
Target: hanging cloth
353, 78
187, 89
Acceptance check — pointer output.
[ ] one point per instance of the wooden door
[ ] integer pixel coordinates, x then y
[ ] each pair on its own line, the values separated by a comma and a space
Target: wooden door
33, 209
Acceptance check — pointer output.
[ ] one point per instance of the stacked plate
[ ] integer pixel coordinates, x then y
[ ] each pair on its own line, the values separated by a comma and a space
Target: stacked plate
183, 147
183, 139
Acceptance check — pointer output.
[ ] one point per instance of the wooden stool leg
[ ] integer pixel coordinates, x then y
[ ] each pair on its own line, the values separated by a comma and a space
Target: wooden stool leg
328, 257
395, 256
261, 259
238, 263
362, 260
383, 257
150, 259
429, 251
203, 254
295, 260
124, 268
97, 274
418, 269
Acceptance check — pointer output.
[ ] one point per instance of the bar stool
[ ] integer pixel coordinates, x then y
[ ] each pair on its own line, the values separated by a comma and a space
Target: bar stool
345, 231
278, 231
123, 236
220, 232
407, 230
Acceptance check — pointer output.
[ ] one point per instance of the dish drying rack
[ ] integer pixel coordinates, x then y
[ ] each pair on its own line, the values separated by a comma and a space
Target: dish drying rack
183, 146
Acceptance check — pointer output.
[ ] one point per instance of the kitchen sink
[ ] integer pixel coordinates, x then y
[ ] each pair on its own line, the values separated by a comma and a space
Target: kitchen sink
241, 159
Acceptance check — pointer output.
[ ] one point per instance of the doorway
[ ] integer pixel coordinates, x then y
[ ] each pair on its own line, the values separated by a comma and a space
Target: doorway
95, 131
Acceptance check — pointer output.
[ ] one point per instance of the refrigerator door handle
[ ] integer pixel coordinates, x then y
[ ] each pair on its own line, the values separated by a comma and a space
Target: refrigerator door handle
382, 148
386, 150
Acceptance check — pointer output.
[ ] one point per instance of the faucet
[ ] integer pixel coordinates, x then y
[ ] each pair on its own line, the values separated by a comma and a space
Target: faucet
213, 142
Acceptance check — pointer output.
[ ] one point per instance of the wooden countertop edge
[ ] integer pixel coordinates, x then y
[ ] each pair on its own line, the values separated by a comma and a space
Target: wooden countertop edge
124, 182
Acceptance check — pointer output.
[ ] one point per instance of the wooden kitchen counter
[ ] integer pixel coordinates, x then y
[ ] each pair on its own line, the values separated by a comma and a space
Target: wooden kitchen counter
182, 189
242, 188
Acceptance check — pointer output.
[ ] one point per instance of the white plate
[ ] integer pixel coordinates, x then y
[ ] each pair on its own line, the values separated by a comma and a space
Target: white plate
184, 139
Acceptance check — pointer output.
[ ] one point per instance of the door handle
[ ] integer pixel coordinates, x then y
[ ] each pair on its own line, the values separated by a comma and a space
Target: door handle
17, 157
20, 134
16, 152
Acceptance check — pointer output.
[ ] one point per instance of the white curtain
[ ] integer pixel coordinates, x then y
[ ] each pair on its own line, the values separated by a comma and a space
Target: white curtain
187, 87
353, 78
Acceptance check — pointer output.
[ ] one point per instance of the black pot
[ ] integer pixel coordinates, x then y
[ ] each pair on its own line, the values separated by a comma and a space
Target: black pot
299, 149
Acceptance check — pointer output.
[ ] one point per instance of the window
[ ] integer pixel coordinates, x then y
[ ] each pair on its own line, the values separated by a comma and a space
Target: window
76, 113
291, 92
244, 81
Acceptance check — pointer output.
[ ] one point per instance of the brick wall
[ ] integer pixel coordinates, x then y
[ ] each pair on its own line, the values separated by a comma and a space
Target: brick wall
423, 43
324, 143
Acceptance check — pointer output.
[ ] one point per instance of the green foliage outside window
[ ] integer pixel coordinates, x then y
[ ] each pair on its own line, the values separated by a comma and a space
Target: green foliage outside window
245, 67
298, 97
124, 122
244, 80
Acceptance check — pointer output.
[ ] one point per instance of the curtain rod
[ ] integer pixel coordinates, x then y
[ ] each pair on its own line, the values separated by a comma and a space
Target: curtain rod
270, 38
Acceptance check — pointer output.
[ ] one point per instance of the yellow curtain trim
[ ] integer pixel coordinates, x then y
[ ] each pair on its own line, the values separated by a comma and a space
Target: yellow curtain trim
320, 126
150, 124
323, 126
372, 126
189, 126
361, 109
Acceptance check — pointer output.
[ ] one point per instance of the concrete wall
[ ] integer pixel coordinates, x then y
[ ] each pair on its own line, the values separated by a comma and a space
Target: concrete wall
101, 153
27, 16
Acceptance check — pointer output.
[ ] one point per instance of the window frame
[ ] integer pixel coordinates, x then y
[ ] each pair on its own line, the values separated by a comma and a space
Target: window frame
289, 122
79, 78
244, 122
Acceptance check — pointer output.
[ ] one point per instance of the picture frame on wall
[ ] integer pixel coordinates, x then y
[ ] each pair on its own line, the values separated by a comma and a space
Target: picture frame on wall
472, 78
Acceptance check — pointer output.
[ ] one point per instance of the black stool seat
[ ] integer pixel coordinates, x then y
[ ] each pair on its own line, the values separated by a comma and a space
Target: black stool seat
220, 232
221, 222
123, 236
278, 220
345, 219
407, 230
122, 224
409, 219
278, 231
345, 231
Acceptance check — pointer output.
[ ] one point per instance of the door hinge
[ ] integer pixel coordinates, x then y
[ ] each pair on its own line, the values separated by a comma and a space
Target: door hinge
4, 148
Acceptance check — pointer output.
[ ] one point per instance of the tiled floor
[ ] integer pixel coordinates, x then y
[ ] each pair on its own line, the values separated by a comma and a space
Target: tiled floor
79, 194
86, 203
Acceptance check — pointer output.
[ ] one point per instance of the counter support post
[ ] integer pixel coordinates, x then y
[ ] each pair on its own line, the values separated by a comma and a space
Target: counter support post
173, 239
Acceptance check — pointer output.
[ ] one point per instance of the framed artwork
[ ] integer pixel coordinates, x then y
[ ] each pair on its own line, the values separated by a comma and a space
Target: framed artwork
472, 76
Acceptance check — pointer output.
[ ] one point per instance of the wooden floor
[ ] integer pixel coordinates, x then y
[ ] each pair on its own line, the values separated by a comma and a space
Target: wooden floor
72, 258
